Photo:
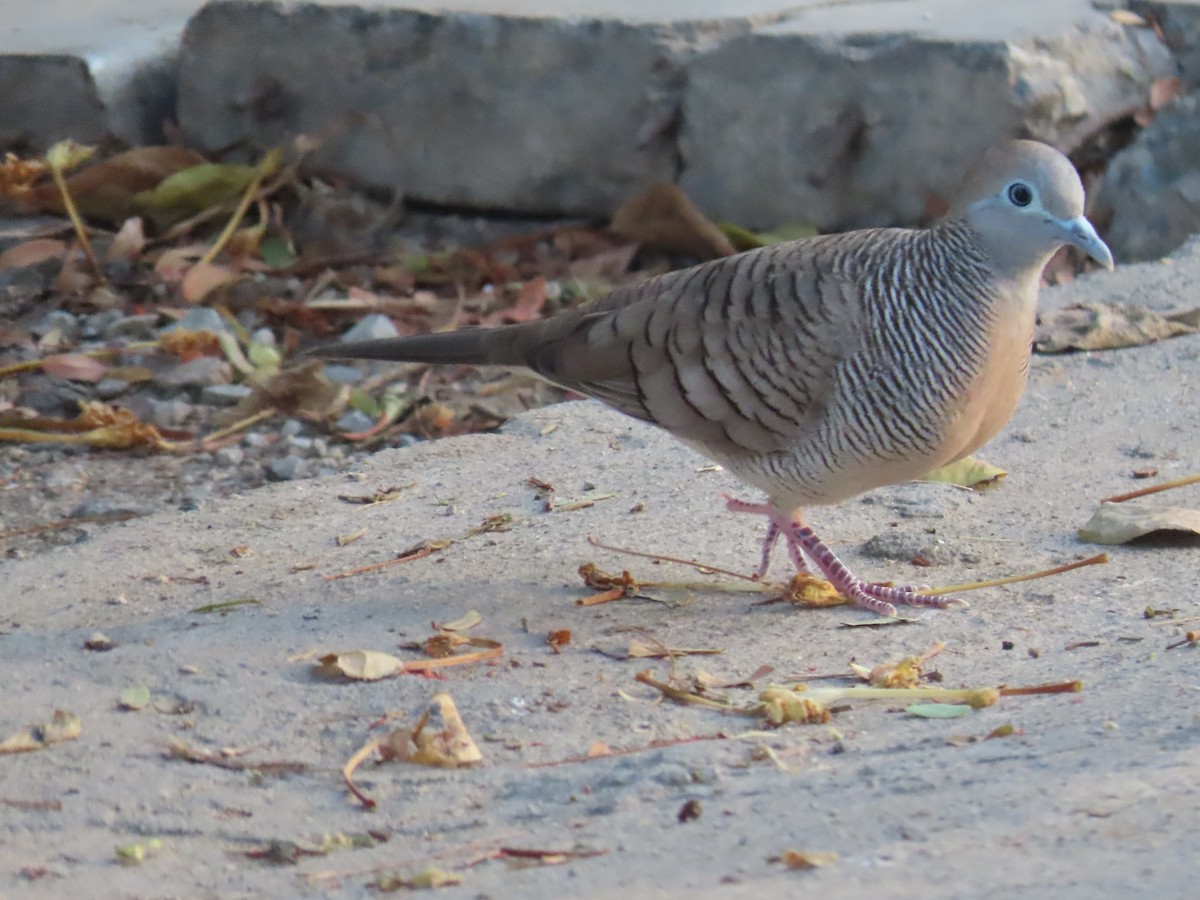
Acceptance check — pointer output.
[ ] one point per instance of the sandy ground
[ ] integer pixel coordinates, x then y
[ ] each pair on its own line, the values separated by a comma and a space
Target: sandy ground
1097, 794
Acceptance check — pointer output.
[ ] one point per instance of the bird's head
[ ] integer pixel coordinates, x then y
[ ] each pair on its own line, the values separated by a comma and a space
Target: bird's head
1025, 200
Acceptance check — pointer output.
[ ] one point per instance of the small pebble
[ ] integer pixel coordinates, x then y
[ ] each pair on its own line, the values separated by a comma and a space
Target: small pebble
200, 319
197, 373
371, 328
354, 421
171, 413
111, 388
287, 468
229, 457
225, 394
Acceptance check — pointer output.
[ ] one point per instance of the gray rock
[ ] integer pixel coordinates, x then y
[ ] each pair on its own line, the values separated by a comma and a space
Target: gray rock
907, 545
229, 457
17, 285
134, 328
97, 325
54, 396
1151, 191
200, 319
287, 468
111, 388
225, 394
1180, 24
197, 373
354, 421
830, 113
343, 374
855, 114
172, 413
371, 327
110, 506
67, 324
290, 428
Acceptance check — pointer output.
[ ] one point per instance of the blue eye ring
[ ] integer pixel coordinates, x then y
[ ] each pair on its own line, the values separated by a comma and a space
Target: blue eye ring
1020, 194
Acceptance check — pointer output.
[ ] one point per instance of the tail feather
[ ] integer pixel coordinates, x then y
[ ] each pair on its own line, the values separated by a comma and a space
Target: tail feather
469, 346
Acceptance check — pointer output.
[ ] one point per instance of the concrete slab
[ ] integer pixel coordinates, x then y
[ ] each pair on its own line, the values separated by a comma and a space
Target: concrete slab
834, 114
87, 70
767, 112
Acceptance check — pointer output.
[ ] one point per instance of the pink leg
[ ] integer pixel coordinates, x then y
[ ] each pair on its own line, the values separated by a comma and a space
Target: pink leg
802, 542
733, 504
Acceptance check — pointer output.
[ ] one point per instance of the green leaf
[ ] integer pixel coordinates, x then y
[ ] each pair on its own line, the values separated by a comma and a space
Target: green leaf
193, 190
276, 252
135, 698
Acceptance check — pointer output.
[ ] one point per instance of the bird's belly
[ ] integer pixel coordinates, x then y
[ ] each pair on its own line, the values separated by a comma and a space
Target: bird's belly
992, 397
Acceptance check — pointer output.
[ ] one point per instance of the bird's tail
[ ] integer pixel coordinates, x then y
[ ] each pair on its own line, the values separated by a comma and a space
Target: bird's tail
468, 346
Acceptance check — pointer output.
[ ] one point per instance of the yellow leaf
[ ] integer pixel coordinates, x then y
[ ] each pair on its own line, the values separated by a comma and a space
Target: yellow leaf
966, 472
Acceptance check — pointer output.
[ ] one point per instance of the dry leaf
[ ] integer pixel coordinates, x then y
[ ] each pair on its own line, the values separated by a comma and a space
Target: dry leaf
559, 639
464, 622
30, 253
359, 665
966, 472
63, 726
1120, 523
664, 218
781, 704
106, 190
439, 739
129, 242
74, 367
1104, 326
203, 278
805, 859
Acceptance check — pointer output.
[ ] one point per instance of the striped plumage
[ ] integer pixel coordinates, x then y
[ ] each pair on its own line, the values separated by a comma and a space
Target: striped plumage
821, 368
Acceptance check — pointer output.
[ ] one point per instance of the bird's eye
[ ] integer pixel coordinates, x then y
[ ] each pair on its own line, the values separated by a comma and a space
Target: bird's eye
1020, 194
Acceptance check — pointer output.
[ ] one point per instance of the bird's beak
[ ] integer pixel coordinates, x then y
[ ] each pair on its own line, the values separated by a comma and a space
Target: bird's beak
1078, 232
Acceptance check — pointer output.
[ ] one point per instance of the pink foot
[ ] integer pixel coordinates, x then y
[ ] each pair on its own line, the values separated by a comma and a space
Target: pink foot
803, 542
733, 504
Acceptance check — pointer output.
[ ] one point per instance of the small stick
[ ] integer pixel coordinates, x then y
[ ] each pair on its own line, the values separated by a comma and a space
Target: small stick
1045, 573
591, 539
1065, 687
1154, 489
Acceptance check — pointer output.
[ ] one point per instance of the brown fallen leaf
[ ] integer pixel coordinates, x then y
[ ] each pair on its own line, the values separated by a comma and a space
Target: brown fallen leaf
106, 190
1120, 523
203, 278
664, 218
559, 639
805, 859
1103, 326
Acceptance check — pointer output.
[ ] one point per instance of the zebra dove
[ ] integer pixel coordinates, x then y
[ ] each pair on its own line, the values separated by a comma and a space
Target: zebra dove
818, 369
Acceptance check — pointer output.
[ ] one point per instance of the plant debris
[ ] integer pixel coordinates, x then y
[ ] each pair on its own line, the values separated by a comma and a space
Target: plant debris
63, 726
1115, 523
